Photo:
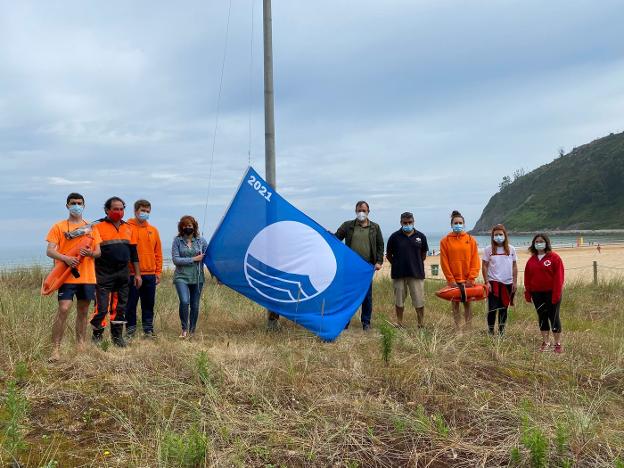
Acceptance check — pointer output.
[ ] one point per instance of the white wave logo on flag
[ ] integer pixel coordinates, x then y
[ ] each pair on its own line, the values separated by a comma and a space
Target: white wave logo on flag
289, 262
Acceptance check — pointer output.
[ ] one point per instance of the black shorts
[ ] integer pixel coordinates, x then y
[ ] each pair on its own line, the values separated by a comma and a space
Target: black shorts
83, 292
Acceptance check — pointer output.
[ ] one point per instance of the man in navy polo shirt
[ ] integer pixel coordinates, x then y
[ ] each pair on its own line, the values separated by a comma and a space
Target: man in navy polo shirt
406, 251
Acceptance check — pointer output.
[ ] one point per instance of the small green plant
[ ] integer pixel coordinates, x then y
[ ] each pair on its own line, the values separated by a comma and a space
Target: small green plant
15, 409
440, 424
21, 371
184, 450
202, 368
515, 458
534, 440
618, 463
388, 333
105, 345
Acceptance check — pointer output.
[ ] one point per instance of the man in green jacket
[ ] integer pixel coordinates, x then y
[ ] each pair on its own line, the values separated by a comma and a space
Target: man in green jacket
365, 238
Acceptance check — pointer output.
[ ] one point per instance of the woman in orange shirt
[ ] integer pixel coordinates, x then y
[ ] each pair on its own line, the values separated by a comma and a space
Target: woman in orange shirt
459, 258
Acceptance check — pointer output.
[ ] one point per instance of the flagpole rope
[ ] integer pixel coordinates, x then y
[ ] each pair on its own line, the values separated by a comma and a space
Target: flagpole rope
216, 125
251, 52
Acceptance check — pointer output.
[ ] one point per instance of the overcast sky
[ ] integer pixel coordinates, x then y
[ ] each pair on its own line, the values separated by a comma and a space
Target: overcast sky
411, 105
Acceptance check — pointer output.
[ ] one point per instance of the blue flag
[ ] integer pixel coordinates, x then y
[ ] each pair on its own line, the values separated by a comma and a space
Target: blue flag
272, 253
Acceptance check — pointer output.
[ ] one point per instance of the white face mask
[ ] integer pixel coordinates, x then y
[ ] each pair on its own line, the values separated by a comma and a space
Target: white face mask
362, 215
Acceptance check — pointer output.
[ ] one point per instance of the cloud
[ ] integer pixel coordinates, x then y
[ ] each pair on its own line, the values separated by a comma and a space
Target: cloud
416, 106
67, 182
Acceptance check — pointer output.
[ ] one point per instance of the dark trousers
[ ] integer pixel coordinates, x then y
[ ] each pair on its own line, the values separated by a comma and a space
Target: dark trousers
367, 306
547, 312
147, 294
496, 306
189, 295
111, 297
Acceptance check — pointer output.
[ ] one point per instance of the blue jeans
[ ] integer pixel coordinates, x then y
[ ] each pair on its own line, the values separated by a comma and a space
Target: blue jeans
189, 295
367, 306
147, 294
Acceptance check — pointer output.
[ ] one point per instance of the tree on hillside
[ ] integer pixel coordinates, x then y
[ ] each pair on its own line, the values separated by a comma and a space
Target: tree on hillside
561, 152
518, 173
506, 182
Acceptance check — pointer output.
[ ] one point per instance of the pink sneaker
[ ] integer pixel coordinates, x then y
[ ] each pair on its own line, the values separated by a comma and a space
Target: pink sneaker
558, 348
545, 347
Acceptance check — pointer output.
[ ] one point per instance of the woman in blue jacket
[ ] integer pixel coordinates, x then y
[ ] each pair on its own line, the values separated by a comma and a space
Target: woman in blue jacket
188, 252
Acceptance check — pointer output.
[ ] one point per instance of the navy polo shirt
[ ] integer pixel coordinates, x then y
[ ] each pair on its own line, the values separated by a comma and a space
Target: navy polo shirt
406, 253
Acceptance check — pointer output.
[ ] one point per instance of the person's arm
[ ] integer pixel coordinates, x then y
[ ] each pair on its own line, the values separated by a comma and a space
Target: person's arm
158, 256
177, 259
341, 233
484, 271
475, 264
52, 252
558, 280
424, 248
445, 265
527, 275
514, 270
390, 249
379, 249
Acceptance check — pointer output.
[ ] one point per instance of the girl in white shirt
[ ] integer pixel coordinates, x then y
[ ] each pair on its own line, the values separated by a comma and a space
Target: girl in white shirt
500, 273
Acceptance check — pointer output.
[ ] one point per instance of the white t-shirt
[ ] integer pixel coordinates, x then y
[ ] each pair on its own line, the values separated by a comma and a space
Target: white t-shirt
500, 266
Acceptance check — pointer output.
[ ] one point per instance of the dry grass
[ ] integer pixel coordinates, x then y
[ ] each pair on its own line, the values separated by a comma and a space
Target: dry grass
238, 396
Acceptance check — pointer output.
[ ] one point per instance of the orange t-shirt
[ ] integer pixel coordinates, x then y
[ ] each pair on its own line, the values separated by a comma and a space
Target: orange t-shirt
86, 268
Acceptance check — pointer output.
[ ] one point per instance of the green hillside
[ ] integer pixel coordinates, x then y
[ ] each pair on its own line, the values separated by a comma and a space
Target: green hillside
583, 189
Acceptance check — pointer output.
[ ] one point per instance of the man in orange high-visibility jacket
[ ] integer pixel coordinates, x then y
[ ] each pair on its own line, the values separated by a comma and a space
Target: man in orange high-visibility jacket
149, 249
83, 286
118, 248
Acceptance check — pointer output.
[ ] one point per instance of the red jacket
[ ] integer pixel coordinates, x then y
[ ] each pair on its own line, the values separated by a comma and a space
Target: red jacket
544, 275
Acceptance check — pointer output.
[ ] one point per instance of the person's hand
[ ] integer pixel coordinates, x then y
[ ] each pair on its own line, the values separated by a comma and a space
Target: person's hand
488, 286
86, 252
469, 283
377, 266
198, 258
157, 279
71, 262
514, 288
450, 284
138, 281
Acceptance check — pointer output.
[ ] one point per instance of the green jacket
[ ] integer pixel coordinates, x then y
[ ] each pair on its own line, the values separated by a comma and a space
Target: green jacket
345, 232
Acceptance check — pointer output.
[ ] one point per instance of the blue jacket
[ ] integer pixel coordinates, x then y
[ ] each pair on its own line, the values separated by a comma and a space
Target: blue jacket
187, 270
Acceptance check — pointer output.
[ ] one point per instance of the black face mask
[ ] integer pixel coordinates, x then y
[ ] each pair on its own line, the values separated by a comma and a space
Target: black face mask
188, 231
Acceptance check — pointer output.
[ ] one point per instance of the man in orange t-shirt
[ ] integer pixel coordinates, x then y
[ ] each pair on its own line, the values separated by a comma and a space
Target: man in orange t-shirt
83, 286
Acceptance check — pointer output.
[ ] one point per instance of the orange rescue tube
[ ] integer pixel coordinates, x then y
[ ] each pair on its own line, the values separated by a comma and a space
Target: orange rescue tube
477, 292
61, 271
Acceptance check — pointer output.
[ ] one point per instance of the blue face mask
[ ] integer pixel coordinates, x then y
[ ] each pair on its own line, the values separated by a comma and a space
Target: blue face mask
76, 209
540, 245
143, 216
408, 228
499, 239
458, 227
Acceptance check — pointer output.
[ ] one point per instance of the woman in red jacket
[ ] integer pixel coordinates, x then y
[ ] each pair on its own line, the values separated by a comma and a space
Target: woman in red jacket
543, 284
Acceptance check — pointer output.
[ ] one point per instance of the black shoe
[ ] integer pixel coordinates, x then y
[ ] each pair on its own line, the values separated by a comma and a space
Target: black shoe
366, 326
130, 331
97, 337
119, 342
149, 335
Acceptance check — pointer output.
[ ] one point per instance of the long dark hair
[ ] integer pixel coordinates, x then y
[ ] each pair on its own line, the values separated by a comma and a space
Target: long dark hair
187, 219
548, 248
499, 227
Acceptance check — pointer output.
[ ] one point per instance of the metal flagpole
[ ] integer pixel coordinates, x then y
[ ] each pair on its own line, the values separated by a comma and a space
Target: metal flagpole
269, 116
